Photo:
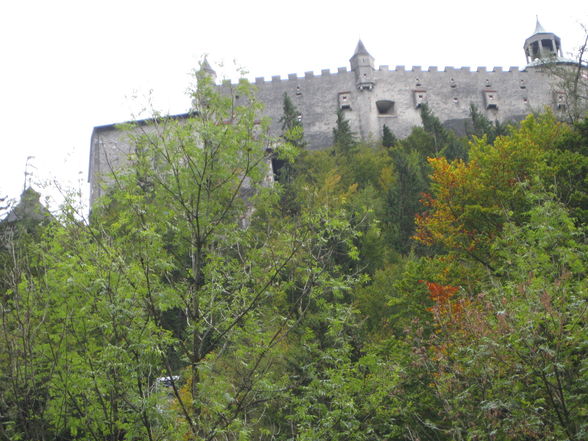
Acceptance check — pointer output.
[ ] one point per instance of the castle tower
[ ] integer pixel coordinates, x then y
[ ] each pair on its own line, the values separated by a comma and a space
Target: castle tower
542, 45
207, 70
362, 64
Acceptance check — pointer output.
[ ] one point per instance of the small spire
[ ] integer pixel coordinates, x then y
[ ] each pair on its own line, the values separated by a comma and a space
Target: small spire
360, 49
205, 67
538, 28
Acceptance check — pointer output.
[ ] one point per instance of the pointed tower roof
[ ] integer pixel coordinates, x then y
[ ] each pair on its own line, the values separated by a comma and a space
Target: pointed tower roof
538, 28
360, 49
205, 67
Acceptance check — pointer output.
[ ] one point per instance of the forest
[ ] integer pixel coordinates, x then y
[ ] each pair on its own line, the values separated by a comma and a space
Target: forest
426, 289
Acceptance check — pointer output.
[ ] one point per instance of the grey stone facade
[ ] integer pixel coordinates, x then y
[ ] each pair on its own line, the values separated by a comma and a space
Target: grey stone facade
397, 94
372, 98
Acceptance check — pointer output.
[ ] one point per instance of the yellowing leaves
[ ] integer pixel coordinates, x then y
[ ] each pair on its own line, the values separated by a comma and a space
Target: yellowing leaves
470, 201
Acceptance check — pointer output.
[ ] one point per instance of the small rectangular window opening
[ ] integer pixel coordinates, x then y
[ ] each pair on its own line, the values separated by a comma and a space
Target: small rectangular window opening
385, 107
345, 100
491, 99
420, 97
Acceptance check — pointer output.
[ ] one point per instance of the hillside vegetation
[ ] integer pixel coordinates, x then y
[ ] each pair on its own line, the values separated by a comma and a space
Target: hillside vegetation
430, 288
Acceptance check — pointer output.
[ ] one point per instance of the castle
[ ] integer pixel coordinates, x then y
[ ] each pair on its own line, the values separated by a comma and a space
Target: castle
372, 98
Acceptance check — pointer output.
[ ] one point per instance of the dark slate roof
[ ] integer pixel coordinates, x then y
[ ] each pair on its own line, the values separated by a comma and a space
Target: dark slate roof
360, 49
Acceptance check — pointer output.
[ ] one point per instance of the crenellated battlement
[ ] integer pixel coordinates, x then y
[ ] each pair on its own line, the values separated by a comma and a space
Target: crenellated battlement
372, 97
386, 68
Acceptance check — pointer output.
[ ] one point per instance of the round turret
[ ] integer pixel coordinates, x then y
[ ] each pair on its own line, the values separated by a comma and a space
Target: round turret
542, 45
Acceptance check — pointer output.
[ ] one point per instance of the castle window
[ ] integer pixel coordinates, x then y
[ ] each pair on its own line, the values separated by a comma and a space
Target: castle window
488, 83
345, 100
491, 99
385, 107
298, 91
420, 98
452, 83
522, 84
455, 100
418, 82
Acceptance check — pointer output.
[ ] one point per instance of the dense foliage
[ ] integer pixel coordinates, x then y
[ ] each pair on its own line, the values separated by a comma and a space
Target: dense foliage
429, 288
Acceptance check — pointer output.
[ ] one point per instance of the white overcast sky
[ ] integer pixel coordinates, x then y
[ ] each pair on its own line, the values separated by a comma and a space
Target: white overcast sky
67, 66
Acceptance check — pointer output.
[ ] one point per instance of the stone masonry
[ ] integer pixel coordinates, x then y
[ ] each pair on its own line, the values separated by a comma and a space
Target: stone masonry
372, 98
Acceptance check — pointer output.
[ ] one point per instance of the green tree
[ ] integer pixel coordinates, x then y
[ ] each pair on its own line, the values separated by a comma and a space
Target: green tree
483, 126
444, 142
24, 369
343, 138
292, 130
471, 201
511, 361
388, 138
186, 271
293, 144
411, 180
223, 280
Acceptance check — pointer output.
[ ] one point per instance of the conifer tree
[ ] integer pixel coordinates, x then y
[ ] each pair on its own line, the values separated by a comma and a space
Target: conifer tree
388, 138
291, 120
445, 142
483, 126
343, 138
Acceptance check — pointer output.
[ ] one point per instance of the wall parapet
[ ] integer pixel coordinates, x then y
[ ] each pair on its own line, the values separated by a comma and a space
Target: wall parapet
382, 68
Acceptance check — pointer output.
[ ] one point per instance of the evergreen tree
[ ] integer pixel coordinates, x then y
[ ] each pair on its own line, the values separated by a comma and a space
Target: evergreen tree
483, 126
403, 199
292, 130
388, 138
445, 142
433, 126
293, 135
343, 138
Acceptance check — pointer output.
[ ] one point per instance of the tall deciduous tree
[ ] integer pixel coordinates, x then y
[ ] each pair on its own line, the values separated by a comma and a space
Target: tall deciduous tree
511, 361
471, 201
186, 276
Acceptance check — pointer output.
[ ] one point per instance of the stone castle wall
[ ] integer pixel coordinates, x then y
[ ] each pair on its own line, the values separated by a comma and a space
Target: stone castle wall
502, 95
372, 98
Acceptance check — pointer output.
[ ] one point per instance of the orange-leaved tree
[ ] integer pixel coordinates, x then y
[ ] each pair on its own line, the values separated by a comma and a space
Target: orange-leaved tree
470, 201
